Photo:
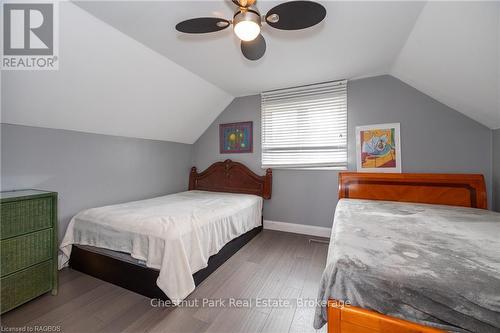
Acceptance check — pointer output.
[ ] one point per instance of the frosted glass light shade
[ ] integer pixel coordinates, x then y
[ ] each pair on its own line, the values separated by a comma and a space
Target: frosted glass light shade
247, 25
247, 30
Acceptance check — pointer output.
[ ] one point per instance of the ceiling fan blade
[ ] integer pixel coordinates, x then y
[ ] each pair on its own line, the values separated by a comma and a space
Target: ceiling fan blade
254, 49
295, 15
202, 25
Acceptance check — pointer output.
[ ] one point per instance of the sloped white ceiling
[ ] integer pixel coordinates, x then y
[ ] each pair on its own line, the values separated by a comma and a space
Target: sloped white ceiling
108, 83
356, 39
452, 54
448, 50
124, 70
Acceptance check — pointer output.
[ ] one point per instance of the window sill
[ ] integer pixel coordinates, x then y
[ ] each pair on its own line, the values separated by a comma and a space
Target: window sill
308, 168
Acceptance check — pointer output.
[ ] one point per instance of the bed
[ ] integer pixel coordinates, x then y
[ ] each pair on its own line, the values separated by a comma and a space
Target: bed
411, 253
163, 247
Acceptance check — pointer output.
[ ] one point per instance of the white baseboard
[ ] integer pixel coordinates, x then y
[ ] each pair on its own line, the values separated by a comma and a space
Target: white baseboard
311, 230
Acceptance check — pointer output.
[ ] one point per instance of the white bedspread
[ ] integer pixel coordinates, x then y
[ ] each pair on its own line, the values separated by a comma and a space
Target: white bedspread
175, 233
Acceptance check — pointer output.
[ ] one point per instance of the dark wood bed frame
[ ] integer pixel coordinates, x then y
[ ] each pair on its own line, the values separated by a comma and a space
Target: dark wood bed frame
467, 190
227, 176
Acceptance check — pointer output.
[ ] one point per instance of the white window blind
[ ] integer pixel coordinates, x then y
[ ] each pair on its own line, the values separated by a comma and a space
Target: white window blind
305, 127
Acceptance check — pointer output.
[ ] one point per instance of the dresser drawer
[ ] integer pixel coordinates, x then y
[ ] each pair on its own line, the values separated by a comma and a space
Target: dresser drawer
24, 285
26, 250
23, 216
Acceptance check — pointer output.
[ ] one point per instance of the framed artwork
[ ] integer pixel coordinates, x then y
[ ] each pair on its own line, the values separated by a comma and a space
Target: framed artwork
378, 148
236, 137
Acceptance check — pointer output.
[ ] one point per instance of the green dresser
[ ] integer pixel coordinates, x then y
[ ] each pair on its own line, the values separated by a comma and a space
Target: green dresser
28, 246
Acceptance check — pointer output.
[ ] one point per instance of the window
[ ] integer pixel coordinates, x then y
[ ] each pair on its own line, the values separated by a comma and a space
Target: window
305, 127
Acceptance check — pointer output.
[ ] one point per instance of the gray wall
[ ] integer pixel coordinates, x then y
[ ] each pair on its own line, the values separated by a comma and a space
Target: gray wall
435, 138
90, 170
496, 169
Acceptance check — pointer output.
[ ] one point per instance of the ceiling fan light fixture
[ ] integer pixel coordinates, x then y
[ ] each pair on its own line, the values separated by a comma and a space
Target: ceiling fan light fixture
247, 25
247, 22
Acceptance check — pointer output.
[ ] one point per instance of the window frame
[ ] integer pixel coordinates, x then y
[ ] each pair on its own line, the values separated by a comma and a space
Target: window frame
312, 166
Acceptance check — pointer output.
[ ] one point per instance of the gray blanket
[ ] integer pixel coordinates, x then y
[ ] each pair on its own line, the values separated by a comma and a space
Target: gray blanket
430, 264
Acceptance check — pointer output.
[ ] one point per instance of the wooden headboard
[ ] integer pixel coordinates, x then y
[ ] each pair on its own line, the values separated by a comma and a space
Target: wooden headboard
233, 177
466, 190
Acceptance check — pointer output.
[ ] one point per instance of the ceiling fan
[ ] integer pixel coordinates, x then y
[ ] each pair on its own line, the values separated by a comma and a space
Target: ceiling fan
247, 22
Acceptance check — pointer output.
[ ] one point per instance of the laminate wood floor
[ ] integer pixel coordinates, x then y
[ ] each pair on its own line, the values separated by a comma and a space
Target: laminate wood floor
274, 266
